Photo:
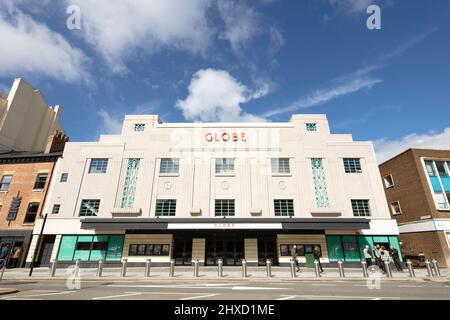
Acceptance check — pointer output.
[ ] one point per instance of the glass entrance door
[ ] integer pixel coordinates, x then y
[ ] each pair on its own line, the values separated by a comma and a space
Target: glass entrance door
230, 251
182, 251
267, 250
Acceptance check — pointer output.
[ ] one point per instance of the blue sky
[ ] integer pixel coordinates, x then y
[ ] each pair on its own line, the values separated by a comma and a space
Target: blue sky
232, 60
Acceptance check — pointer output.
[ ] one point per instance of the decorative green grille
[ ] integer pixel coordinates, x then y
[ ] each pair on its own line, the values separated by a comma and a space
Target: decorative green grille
131, 178
320, 183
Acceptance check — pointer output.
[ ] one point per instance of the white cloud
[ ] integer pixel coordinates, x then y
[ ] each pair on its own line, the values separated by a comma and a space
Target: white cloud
241, 23
386, 149
120, 29
214, 95
110, 124
351, 6
358, 81
30, 48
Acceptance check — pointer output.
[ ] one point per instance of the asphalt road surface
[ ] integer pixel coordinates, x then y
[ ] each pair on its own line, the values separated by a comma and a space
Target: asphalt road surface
224, 290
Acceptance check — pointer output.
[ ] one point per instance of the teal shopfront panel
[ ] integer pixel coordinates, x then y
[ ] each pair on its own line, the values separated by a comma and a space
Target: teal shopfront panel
363, 241
83, 248
67, 248
351, 248
115, 247
393, 241
99, 247
334, 245
381, 240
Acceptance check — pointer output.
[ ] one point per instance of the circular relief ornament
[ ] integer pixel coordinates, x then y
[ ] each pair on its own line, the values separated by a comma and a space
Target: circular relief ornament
225, 185
168, 185
282, 185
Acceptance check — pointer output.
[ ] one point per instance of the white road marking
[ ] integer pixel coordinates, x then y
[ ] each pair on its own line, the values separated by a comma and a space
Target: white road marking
190, 287
41, 294
286, 298
409, 286
128, 294
255, 288
199, 297
323, 285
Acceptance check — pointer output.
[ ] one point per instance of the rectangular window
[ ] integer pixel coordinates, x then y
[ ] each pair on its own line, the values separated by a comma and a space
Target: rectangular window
169, 166
440, 166
441, 200
89, 208
32, 210
430, 168
280, 165
139, 127
395, 208
56, 208
41, 179
166, 208
284, 208
64, 177
224, 165
148, 250
352, 165
361, 208
98, 166
388, 181
311, 127
224, 207
6, 181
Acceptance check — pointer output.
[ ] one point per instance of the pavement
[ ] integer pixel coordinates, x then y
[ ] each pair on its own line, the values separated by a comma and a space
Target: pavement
208, 286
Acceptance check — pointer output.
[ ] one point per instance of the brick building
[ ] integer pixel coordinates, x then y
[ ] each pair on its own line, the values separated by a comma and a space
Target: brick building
417, 186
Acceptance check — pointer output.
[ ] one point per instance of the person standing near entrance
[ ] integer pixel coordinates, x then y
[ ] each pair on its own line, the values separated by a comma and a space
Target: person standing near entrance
396, 258
15, 258
317, 253
294, 255
377, 254
384, 257
367, 256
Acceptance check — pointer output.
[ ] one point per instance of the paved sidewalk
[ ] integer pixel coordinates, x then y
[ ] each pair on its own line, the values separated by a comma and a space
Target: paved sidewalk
184, 273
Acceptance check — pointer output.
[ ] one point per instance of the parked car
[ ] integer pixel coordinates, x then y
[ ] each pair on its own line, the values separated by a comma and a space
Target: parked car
418, 261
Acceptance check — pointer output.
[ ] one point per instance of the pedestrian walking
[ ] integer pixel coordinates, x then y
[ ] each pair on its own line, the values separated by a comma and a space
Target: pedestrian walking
317, 253
396, 258
367, 256
384, 254
294, 255
377, 255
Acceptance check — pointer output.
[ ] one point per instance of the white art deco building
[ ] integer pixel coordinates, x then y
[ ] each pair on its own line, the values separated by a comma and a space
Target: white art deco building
205, 191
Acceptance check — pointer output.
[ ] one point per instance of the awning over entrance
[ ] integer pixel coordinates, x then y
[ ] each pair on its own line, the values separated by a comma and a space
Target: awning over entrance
225, 223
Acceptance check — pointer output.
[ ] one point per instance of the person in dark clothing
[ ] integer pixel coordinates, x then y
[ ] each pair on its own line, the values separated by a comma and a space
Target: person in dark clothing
396, 258
317, 254
4, 252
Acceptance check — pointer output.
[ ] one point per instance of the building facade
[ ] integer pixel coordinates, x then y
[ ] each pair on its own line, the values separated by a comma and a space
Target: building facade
417, 186
26, 120
213, 190
24, 182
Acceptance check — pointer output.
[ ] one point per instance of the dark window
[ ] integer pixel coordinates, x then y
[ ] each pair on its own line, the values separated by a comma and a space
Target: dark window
64, 177
224, 207
6, 181
284, 208
352, 165
100, 246
440, 165
84, 246
98, 166
311, 127
14, 208
149, 250
89, 208
361, 208
31, 212
166, 207
41, 179
285, 249
56, 208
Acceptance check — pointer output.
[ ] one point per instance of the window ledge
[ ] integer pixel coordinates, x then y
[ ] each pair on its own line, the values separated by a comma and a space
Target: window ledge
38, 190
444, 210
3, 191
225, 174
281, 174
169, 174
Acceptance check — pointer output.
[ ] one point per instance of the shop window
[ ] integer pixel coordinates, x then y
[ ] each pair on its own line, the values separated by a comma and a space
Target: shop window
31, 214
91, 248
351, 248
149, 250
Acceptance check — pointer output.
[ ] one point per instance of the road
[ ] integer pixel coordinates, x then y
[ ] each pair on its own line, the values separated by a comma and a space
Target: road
225, 290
